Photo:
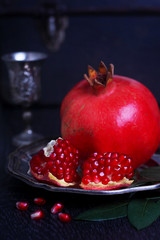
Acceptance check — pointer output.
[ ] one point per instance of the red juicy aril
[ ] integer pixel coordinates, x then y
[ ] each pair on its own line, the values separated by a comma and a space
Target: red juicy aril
111, 113
39, 201
23, 206
107, 171
57, 207
57, 163
64, 217
39, 214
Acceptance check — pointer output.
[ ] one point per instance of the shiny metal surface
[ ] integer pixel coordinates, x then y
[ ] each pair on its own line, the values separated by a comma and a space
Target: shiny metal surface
24, 74
18, 166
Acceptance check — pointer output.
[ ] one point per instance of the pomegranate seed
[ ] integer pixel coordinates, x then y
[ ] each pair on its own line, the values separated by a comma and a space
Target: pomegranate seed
128, 162
101, 174
117, 169
69, 149
100, 156
64, 217
39, 214
71, 155
59, 150
130, 175
67, 170
66, 141
95, 154
122, 157
63, 145
87, 165
101, 169
23, 206
95, 164
60, 176
58, 162
62, 156
108, 161
50, 164
59, 140
117, 177
39, 201
107, 170
115, 155
67, 159
115, 161
109, 154
94, 172
59, 170
64, 165
68, 178
53, 170
86, 180
57, 207
70, 165
96, 179
53, 156
102, 161
127, 169
105, 181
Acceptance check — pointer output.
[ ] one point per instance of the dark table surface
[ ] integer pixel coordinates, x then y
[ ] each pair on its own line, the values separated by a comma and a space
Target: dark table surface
15, 224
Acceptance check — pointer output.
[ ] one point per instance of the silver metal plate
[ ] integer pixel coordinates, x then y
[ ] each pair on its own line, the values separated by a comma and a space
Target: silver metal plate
18, 166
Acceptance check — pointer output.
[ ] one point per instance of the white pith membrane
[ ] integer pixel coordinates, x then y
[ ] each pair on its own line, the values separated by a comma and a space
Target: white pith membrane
110, 185
48, 150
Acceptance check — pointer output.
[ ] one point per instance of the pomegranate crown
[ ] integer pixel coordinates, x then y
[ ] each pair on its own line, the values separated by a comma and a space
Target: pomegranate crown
100, 78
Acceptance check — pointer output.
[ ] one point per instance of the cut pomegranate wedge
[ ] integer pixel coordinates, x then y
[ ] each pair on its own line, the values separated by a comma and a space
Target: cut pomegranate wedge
107, 171
57, 163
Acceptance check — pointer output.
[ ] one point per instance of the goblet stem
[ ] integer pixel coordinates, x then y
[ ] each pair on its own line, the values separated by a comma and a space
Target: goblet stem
27, 136
27, 117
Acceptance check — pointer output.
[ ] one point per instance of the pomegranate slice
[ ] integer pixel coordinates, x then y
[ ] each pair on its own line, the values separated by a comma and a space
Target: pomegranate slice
107, 171
57, 163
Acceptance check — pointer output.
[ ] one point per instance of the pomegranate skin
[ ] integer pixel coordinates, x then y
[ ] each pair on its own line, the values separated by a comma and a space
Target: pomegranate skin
122, 117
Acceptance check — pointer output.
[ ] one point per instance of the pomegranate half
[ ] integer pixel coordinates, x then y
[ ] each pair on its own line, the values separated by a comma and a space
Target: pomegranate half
111, 113
107, 171
56, 163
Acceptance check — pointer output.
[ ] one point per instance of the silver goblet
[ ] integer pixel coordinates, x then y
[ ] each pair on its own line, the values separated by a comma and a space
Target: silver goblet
24, 85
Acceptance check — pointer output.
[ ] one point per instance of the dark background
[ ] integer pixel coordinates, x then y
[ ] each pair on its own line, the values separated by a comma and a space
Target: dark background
130, 42
125, 33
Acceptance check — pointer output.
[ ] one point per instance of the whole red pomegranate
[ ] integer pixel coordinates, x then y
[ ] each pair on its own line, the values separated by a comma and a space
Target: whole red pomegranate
110, 113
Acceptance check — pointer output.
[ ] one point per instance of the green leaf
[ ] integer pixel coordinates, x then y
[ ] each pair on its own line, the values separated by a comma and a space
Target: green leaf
151, 174
105, 212
143, 212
